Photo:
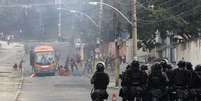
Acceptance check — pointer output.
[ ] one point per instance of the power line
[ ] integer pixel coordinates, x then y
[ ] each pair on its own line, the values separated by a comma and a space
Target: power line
166, 2
171, 17
177, 5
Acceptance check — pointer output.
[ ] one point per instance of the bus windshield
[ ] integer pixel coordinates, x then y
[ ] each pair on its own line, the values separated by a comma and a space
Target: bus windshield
44, 58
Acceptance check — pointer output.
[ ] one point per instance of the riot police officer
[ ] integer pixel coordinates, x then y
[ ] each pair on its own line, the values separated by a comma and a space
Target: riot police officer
180, 81
164, 64
157, 83
192, 81
144, 68
180, 75
136, 81
198, 82
124, 91
169, 74
100, 80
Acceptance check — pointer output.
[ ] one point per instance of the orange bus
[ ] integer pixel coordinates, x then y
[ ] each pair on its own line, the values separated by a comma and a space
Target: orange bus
43, 59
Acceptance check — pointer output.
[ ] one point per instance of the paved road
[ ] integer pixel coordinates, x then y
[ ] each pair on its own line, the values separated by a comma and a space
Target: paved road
9, 79
55, 88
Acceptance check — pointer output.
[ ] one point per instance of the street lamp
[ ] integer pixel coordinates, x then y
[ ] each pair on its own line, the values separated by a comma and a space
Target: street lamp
126, 18
93, 3
116, 41
73, 11
133, 47
82, 13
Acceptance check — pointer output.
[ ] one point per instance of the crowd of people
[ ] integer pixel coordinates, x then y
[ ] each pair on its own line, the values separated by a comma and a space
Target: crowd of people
163, 83
100, 81
71, 64
7, 38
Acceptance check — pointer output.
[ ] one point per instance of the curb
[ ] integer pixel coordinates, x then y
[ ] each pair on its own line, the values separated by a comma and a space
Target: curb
19, 88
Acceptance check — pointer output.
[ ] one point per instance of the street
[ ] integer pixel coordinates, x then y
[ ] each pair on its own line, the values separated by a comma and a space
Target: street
10, 79
47, 88
70, 50
55, 88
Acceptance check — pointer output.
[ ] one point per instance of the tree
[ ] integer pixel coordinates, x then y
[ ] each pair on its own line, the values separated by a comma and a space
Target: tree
180, 16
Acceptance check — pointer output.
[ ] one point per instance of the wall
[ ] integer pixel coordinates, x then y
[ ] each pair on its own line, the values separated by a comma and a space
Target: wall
189, 51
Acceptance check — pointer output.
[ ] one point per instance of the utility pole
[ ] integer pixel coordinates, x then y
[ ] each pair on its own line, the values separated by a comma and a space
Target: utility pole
100, 17
116, 25
59, 25
117, 62
99, 29
41, 25
58, 2
134, 30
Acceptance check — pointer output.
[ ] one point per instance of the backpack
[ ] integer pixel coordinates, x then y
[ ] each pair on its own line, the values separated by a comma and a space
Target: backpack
157, 80
180, 77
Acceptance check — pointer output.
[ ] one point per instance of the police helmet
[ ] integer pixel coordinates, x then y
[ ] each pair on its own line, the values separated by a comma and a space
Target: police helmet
198, 68
164, 61
181, 64
135, 64
100, 66
169, 66
189, 66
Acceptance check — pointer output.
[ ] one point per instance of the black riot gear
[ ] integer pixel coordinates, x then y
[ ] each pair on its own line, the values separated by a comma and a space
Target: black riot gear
100, 67
192, 83
198, 68
181, 64
163, 62
189, 66
137, 77
198, 81
124, 91
133, 82
157, 82
156, 78
135, 65
181, 81
137, 81
156, 68
100, 80
180, 77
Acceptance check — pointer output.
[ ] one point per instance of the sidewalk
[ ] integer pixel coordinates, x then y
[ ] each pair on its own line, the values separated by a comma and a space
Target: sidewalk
9, 83
4, 45
10, 79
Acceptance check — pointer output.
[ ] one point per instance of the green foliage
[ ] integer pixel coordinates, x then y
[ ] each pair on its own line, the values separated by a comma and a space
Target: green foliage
179, 16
